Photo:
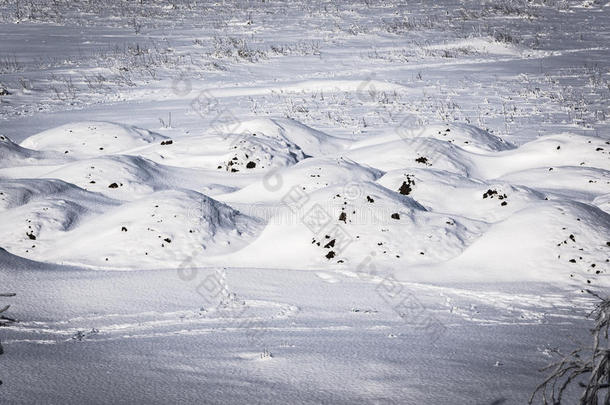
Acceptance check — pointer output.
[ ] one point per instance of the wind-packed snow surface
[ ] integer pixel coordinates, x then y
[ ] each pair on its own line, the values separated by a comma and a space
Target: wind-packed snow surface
299, 203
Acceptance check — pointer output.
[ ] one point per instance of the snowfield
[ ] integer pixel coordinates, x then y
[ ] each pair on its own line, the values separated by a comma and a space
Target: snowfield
319, 202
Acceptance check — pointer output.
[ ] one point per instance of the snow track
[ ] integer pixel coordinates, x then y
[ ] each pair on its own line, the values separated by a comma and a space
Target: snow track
237, 315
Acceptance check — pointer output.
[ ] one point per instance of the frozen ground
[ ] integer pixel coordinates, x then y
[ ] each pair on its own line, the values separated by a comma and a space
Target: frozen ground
377, 202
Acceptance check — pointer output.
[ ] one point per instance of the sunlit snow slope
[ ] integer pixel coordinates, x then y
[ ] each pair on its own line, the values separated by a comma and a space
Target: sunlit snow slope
449, 201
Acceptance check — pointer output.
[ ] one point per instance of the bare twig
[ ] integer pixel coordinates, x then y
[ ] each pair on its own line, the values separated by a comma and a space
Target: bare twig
574, 365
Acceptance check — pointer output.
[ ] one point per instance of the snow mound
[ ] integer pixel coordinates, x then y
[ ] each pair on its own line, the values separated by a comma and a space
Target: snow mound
9, 261
546, 152
36, 212
440, 191
307, 176
442, 197
574, 182
163, 229
603, 202
18, 192
13, 155
245, 153
309, 140
483, 157
467, 137
260, 152
549, 240
130, 177
253, 146
346, 228
92, 138
119, 176
417, 152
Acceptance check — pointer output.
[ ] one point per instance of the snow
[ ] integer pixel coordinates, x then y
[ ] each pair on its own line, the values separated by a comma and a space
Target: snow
91, 138
15, 155
327, 202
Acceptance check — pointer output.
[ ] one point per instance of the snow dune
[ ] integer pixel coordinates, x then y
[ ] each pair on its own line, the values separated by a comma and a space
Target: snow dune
444, 199
91, 138
13, 155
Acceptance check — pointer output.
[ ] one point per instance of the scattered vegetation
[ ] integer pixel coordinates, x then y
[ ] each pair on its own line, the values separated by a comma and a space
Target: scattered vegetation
588, 367
4, 320
266, 354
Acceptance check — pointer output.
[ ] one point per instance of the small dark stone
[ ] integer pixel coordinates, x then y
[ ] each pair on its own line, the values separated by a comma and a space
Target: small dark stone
395, 216
123, 229
31, 236
343, 217
113, 185
490, 193
330, 255
405, 188
250, 165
